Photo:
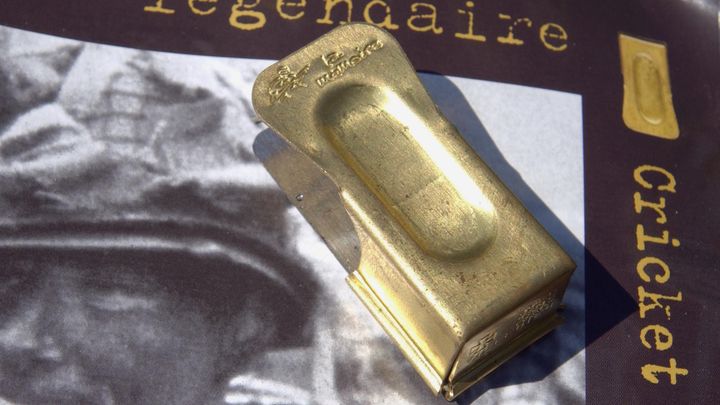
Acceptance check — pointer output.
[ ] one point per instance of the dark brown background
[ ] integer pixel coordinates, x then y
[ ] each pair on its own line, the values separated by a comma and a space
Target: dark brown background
590, 67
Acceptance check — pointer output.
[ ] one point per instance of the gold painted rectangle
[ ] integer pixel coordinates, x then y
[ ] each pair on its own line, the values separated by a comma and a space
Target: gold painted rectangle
647, 100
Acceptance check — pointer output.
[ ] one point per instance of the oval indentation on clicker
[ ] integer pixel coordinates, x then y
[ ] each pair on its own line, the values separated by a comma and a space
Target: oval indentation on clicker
648, 89
409, 170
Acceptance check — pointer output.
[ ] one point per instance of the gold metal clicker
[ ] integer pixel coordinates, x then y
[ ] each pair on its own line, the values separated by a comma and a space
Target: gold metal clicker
446, 258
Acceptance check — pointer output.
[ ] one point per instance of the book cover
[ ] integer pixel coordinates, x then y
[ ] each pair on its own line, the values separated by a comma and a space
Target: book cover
149, 258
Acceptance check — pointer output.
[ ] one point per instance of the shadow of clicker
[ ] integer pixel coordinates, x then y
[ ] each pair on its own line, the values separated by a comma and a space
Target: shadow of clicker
555, 349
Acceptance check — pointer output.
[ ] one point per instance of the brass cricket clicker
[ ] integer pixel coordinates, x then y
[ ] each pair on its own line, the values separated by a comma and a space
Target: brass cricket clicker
446, 258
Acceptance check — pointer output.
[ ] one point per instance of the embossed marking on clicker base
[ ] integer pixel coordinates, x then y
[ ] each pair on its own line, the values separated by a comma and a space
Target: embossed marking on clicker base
286, 81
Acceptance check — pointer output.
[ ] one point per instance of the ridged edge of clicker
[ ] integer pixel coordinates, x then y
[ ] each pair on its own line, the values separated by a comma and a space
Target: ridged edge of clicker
495, 359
